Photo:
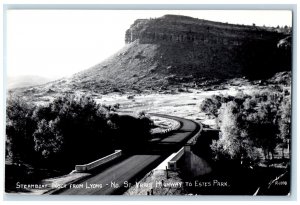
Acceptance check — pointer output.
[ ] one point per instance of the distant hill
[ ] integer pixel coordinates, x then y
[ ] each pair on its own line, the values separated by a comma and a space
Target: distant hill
172, 51
26, 81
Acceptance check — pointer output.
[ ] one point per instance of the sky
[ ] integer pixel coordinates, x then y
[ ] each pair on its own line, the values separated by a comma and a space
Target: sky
59, 43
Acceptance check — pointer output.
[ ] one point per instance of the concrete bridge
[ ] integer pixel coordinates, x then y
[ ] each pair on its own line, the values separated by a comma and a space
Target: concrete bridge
131, 167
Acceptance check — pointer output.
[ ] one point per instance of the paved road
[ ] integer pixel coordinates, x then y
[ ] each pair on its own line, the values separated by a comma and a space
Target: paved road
134, 166
123, 171
183, 134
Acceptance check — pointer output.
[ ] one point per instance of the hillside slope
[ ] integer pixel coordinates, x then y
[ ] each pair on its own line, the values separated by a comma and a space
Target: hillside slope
174, 50
178, 49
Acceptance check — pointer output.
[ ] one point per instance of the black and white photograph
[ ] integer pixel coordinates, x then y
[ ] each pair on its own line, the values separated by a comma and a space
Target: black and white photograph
148, 102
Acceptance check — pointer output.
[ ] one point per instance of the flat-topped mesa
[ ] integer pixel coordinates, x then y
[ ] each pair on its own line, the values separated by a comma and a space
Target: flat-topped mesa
183, 29
173, 50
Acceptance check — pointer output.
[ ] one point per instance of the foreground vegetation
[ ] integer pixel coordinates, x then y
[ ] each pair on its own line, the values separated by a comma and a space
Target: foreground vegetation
251, 125
70, 130
251, 155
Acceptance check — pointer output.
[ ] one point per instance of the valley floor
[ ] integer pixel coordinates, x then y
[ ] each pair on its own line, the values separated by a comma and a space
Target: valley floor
183, 104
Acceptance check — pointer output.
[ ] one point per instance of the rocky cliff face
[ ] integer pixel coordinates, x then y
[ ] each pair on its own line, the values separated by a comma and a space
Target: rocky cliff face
182, 29
202, 48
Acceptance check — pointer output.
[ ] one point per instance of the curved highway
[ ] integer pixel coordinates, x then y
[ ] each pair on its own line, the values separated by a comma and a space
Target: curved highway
187, 129
112, 179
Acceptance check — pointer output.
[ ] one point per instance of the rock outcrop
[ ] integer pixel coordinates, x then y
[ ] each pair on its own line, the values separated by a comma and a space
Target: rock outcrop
204, 48
182, 29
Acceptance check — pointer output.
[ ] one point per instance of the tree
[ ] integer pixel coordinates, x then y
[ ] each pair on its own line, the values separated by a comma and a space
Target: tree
250, 123
19, 129
47, 140
249, 105
82, 123
69, 130
285, 124
130, 133
262, 133
211, 105
72, 129
234, 143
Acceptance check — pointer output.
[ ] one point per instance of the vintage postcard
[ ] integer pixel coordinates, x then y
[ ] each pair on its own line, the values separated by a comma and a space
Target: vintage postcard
148, 102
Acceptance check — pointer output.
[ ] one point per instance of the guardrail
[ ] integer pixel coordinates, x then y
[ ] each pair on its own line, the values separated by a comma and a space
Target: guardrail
172, 164
194, 139
97, 163
176, 127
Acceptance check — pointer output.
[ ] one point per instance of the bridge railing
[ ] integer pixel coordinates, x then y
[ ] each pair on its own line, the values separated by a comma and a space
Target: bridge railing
172, 164
97, 163
194, 139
